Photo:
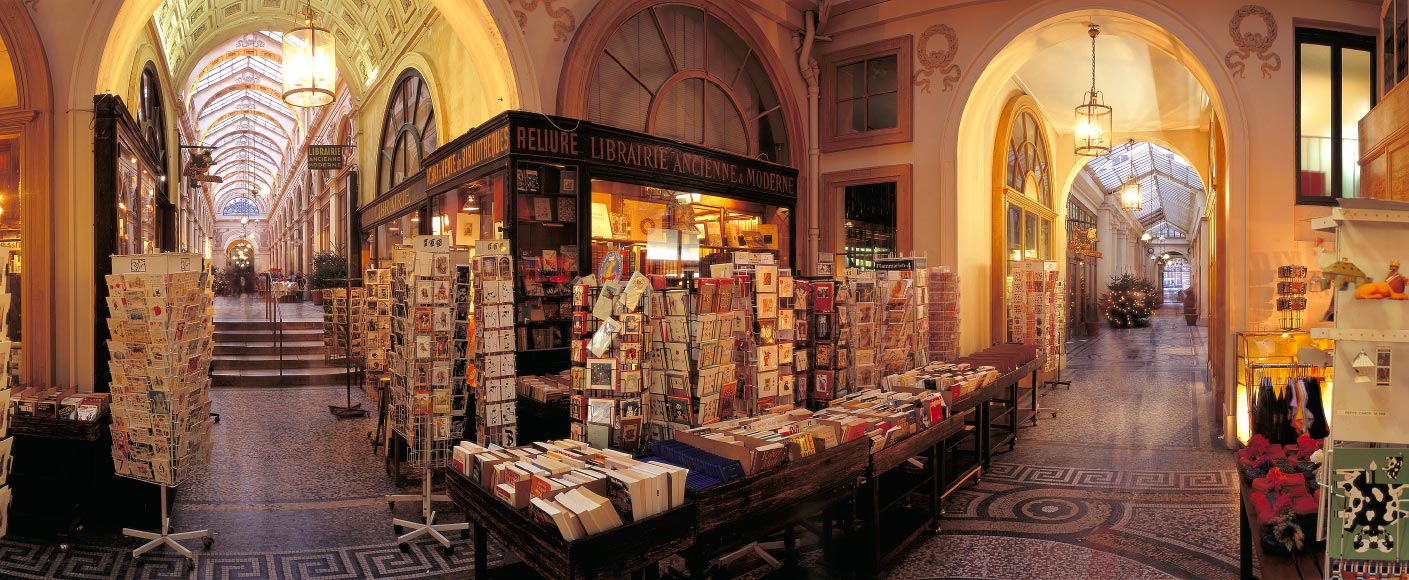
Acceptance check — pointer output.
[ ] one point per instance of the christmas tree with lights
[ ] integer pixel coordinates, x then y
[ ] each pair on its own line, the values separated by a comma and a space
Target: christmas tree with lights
1131, 301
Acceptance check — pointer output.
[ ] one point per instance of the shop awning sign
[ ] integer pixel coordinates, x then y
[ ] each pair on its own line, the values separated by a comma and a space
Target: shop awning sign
325, 157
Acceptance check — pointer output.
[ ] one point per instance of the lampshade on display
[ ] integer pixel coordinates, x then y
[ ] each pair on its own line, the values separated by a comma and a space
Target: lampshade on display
1093, 117
310, 65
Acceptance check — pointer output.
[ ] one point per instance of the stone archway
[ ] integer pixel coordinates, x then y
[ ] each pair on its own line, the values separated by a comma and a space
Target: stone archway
966, 216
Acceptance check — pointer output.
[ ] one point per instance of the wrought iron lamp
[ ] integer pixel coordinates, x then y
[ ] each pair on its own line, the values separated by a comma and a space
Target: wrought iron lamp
1093, 116
310, 64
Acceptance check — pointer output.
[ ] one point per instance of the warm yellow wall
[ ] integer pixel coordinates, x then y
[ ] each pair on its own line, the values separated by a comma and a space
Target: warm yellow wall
9, 92
461, 98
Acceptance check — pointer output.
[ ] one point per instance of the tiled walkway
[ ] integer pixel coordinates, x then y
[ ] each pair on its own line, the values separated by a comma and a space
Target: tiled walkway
1128, 481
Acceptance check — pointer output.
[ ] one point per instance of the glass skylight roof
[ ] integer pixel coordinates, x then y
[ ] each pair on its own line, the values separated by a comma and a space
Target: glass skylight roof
1170, 187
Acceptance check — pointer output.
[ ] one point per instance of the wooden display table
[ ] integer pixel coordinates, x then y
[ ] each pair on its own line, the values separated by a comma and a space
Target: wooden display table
899, 503
739, 512
633, 548
1273, 566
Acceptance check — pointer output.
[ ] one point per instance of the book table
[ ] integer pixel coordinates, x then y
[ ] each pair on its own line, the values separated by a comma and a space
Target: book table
739, 512
899, 501
635, 548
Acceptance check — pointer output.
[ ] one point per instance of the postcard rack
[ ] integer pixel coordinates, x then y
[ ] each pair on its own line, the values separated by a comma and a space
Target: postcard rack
429, 366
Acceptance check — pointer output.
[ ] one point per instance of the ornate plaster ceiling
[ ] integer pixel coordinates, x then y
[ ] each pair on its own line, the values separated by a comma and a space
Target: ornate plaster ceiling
369, 32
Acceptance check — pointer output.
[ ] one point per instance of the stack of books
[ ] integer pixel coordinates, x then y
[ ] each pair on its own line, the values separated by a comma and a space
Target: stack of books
884, 416
495, 363
943, 314
952, 380
549, 389
430, 341
160, 349
572, 487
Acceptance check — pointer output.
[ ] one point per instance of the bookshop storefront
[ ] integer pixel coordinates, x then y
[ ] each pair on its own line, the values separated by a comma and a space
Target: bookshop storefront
570, 195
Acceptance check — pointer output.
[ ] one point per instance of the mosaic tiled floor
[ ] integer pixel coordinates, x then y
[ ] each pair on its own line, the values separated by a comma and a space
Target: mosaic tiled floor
1128, 481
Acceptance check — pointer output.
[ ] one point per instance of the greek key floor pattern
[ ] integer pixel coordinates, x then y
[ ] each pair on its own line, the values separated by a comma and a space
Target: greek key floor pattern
33, 560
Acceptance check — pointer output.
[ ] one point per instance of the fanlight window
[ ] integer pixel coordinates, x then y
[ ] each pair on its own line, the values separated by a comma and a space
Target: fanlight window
681, 72
408, 133
241, 207
1028, 170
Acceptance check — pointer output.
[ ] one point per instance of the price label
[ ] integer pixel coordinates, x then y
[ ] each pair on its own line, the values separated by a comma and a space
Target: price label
434, 244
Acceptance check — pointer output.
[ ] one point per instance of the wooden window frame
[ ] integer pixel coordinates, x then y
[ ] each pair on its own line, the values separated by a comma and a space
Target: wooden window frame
903, 132
833, 198
1337, 41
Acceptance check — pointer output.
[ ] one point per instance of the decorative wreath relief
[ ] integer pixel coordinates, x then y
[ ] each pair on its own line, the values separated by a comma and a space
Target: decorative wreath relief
1253, 43
941, 62
563, 20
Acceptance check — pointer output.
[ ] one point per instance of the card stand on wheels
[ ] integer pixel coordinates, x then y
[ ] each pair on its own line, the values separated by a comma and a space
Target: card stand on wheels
161, 326
426, 454
166, 537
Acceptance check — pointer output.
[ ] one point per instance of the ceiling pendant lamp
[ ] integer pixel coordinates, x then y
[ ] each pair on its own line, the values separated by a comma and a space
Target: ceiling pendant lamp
310, 64
1131, 191
1093, 116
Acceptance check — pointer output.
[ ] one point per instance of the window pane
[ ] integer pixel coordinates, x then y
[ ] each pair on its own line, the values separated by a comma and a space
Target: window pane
1044, 241
880, 111
1356, 88
1015, 233
851, 116
1315, 178
851, 81
1030, 236
882, 75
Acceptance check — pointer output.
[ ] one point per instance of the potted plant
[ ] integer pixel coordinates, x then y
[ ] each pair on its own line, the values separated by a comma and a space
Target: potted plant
1191, 307
329, 271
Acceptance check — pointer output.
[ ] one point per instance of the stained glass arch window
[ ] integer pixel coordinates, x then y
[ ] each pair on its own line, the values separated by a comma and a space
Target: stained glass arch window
241, 207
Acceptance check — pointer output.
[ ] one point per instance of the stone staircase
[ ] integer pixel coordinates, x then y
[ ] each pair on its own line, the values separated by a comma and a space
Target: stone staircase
247, 355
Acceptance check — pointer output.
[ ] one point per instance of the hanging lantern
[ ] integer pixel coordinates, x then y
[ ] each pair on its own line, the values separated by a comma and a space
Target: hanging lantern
1093, 117
310, 64
1131, 192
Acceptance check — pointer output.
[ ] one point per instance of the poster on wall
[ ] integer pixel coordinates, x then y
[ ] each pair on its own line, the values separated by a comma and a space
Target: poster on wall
1368, 504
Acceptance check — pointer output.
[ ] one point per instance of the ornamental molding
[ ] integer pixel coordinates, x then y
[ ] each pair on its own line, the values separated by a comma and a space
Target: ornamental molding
564, 22
1253, 43
937, 62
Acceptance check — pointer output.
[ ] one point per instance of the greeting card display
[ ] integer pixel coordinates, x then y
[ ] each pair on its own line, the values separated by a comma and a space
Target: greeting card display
430, 345
160, 348
943, 314
376, 316
610, 333
344, 330
1035, 314
160, 326
904, 313
6, 442
495, 365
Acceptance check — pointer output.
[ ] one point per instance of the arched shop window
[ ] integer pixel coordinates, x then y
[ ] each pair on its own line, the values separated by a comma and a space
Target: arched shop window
408, 133
1024, 196
151, 117
679, 71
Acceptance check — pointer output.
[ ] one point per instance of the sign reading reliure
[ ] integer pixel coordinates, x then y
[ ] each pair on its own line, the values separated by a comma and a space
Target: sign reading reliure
573, 140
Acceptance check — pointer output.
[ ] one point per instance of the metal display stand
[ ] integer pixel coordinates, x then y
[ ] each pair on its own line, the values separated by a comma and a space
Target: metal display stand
409, 530
350, 410
166, 537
